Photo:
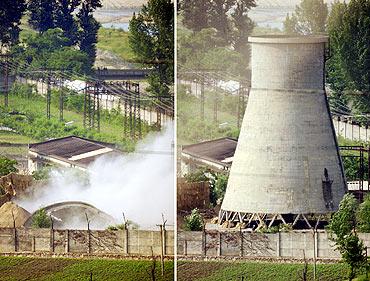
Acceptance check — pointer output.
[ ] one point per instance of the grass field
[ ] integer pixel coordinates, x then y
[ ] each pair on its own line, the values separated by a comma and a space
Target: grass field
115, 41
10, 137
54, 269
111, 128
257, 271
190, 127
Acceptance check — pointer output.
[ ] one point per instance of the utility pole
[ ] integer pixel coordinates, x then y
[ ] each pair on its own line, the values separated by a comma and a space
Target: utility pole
48, 94
6, 80
137, 90
202, 99
61, 101
126, 116
162, 228
215, 105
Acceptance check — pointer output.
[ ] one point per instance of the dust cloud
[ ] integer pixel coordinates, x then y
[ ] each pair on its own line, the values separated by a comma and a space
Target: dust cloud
140, 184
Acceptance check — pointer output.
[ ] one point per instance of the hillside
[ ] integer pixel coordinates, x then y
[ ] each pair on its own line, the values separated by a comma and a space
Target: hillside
119, 4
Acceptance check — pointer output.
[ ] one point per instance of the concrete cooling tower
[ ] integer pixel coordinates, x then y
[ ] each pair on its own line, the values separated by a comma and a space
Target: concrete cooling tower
287, 167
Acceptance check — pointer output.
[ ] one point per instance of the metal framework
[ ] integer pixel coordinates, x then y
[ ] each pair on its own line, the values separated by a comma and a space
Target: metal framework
360, 151
5, 71
92, 106
256, 221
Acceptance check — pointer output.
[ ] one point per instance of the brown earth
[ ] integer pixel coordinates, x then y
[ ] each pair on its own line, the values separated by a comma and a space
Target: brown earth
191, 271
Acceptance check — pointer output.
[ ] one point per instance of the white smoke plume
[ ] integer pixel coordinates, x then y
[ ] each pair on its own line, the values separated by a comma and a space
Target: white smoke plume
140, 184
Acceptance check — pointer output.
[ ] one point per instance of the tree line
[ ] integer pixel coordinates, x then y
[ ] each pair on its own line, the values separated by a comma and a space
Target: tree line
219, 34
78, 30
348, 28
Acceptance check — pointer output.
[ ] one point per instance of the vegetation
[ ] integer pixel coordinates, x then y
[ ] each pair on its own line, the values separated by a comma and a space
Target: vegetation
152, 40
12, 137
342, 226
88, 36
50, 50
41, 219
11, 12
128, 225
219, 188
117, 42
56, 269
41, 174
309, 17
26, 115
191, 127
226, 22
348, 68
194, 221
80, 30
217, 182
220, 271
7, 166
351, 161
363, 215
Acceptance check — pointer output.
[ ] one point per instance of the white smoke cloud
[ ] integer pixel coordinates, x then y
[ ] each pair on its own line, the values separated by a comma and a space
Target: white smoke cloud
140, 184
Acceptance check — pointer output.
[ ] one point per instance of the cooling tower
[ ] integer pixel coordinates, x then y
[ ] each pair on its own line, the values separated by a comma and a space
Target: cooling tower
287, 165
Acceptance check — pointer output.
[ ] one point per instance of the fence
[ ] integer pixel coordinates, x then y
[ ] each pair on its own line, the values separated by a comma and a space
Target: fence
351, 131
192, 195
126, 242
270, 245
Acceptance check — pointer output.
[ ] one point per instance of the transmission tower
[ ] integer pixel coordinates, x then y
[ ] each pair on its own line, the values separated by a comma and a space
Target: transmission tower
92, 106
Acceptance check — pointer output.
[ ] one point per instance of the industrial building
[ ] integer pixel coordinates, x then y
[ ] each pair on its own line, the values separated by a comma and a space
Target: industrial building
69, 151
215, 154
287, 167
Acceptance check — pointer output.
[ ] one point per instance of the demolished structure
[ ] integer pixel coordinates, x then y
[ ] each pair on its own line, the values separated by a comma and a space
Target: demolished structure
287, 167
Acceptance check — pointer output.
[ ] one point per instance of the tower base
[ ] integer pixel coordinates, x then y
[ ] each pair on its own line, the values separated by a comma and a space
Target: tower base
256, 221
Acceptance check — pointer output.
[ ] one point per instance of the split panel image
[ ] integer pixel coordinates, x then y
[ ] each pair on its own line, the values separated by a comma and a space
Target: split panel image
87, 140
272, 136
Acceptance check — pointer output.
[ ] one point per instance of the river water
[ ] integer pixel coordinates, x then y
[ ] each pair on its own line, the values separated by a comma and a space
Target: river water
272, 17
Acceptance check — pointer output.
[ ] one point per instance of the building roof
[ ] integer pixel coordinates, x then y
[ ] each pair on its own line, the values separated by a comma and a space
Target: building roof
73, 149
219, 151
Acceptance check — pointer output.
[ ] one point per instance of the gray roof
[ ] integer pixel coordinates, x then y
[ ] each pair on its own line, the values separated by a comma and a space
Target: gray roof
214, 150
67, 147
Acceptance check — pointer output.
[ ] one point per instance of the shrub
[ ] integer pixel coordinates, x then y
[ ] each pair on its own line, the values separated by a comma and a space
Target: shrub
363, 215
7, 166
129, 225
194, 221
41, 219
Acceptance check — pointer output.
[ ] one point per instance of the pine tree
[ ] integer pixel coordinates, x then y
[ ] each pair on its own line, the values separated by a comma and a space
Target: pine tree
152, 40
11, 12
218, 18
65, 20
243, 27
89, 29
195, 14
42, 14
348, 68
309, 17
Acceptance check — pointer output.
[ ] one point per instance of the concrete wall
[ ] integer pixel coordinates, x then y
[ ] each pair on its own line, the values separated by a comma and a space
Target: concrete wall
131, 242
247, 244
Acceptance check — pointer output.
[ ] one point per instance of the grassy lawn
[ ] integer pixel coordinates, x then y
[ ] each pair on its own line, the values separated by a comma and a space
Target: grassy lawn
10, 137
115, 41
256, 271
54, 269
